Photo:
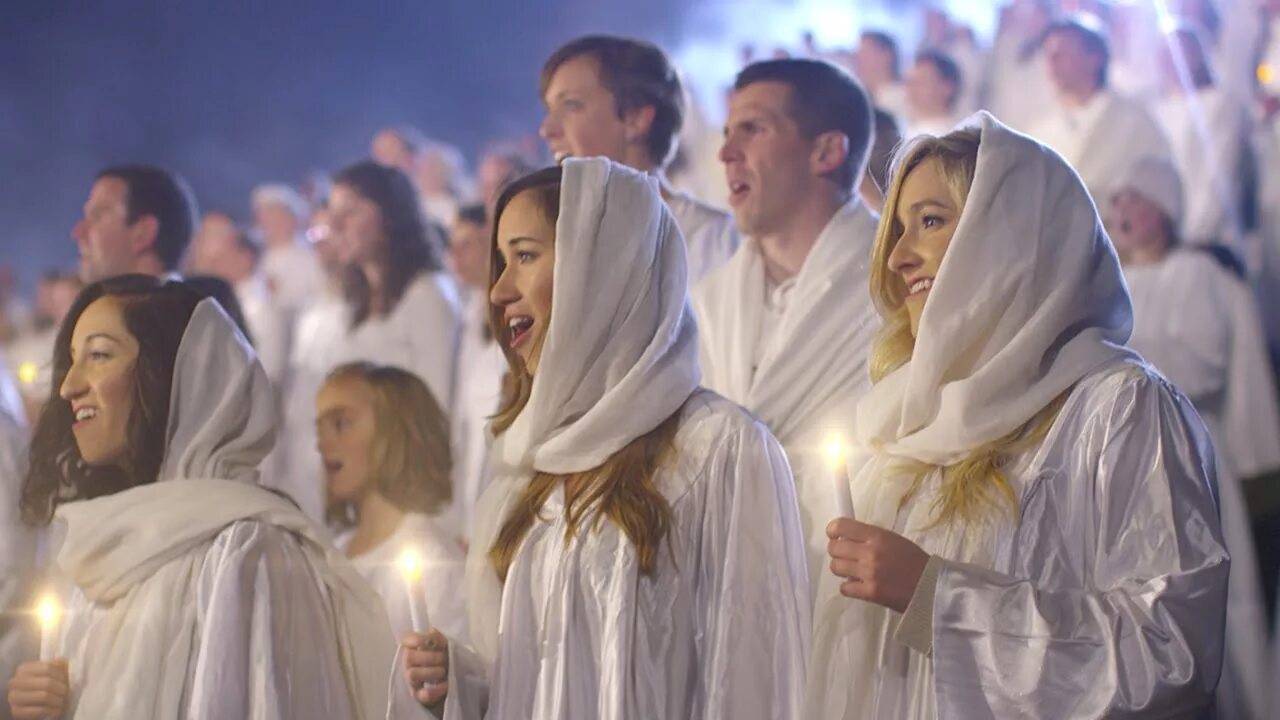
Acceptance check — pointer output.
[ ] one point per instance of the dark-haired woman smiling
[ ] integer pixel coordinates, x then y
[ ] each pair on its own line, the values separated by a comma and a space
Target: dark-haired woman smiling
193, 592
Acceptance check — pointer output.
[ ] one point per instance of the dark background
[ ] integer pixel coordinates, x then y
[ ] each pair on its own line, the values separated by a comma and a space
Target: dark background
232, 94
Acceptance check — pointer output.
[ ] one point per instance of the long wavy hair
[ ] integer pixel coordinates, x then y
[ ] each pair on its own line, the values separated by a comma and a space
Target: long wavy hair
413, 246
972, 486
622, 490
156, 314
410, 457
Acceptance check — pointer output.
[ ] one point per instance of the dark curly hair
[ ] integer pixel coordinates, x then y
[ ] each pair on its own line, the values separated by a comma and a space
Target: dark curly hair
156, 313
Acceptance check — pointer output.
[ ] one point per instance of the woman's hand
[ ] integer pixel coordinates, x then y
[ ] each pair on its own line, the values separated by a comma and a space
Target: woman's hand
878, 565
38, 691
426, 665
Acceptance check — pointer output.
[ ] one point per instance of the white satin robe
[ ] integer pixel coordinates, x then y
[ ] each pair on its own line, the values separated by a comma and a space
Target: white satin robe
720, 631
264, 645
1104, 598
1199, 327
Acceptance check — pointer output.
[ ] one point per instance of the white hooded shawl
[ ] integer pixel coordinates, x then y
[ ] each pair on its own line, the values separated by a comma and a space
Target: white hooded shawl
155, 638
578, 630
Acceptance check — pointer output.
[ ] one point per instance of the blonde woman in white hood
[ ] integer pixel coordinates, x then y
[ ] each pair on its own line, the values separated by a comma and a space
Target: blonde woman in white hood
191, 591
1036, 529
639, 552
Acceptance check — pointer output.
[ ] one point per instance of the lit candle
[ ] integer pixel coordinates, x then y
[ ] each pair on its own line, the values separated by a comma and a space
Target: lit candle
411, 570
49, 613
28, 372
836, 453
1266, 73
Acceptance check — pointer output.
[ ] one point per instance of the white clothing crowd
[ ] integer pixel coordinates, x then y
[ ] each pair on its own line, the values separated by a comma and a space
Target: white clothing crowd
688, 423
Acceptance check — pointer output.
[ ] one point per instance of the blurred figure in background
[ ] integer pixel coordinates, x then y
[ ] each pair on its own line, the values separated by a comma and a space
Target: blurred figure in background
877, 64
293, 276
933, 88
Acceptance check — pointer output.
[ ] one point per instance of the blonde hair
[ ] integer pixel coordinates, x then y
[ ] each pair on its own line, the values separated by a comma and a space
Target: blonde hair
624, 488
977, 483
410, 459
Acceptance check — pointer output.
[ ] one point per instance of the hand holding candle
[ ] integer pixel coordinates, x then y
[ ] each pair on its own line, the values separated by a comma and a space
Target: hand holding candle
411, 570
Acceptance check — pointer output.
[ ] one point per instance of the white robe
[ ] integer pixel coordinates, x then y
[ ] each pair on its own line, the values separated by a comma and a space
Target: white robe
17, 551
420, 335
270, 324
1198, 325
1103, 599
440, 588
1018, 89
1207, 131
718, 632
1102, 139
1103, 594
813, 369
318, 335
720, 629
710, 235
204, 595
293, 273
481, 366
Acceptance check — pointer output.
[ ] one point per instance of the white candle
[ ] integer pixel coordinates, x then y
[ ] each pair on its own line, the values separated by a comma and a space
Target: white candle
411, 570
837, 453
49, 613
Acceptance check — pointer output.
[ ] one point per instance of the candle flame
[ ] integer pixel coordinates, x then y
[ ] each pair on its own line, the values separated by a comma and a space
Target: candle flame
835, 451
410, 563
48, 611
28, 372
1266, 73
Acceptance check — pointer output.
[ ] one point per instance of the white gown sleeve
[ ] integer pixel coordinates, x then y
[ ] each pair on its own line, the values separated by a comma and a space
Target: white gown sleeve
266, 642
754, 588
1145, 638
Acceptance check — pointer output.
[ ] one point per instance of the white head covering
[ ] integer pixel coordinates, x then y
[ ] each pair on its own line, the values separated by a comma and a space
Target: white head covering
222, 421
139, 551
1157, 180
620, 355
1028, 300
281, 194
621, 350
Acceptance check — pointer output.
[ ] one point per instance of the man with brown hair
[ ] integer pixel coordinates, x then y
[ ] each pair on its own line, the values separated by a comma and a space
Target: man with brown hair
621, 99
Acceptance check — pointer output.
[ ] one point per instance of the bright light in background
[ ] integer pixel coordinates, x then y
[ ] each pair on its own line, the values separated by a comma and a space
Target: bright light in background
719, 29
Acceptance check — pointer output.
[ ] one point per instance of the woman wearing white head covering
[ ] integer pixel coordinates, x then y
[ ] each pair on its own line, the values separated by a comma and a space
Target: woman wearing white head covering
1036, 532
1198, 325
193, 592
639, 553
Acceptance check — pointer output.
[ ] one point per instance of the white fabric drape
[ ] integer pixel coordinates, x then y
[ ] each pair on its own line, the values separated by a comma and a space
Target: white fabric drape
204, 595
